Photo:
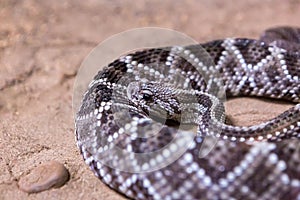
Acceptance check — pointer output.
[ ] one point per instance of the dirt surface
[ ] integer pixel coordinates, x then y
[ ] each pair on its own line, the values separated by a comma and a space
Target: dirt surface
42, 44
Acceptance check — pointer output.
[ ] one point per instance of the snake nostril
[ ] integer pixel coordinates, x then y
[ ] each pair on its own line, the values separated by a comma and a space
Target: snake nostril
132, 91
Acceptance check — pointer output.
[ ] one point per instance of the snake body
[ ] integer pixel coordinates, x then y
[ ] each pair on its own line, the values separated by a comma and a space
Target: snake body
131, 131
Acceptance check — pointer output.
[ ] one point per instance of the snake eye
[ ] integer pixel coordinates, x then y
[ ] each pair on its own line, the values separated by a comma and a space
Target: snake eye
147, 95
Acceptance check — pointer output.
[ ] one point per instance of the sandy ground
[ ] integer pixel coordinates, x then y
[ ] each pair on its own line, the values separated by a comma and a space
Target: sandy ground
42, 44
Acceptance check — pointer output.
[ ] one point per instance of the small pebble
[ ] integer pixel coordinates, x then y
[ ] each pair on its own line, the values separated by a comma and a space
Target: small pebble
51, 174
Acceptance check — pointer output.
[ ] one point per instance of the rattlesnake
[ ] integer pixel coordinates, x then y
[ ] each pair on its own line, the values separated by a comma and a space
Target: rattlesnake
135, 125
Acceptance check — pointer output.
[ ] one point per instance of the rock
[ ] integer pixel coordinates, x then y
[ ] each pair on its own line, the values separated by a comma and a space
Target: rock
51, 174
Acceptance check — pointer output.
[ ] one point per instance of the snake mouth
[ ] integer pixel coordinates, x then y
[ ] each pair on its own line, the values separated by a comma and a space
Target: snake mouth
175, 121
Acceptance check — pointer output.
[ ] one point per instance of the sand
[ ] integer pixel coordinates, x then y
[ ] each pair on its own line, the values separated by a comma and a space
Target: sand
42, 45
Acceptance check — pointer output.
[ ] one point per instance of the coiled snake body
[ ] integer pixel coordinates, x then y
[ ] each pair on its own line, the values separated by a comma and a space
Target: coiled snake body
135, 125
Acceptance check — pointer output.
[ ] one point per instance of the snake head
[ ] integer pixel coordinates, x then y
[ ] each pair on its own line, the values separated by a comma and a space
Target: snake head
155, 99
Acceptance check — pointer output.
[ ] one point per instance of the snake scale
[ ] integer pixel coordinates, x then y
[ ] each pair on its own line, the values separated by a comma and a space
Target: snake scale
136, 124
